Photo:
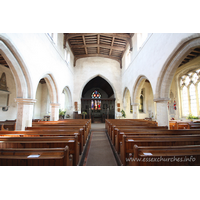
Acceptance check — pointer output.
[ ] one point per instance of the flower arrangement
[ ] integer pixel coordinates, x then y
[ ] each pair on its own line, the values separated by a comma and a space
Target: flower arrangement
190, 116
62, 112
123, 113
84, 113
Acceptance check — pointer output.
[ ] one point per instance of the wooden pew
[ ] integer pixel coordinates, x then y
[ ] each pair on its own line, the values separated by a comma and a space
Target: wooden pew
63, 129
35, 157
166, 155
44, 134
126, 146
141, 132
109, 122
194, 125
57, 123
78, 129
144, 123
43, 142
120, 128
5, 125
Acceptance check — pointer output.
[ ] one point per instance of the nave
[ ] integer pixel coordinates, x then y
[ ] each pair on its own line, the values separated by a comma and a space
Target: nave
99, 152
127, 142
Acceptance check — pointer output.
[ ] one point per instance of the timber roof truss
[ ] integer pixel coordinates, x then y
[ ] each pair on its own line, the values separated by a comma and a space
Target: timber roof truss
107, 45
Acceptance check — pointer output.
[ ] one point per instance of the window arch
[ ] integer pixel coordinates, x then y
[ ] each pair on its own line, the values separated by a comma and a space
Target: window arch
190, 93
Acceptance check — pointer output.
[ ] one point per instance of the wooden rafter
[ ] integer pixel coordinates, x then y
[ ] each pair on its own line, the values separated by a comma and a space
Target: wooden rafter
108, 45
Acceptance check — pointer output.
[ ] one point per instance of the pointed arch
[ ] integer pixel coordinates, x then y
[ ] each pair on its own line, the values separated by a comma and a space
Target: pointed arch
137, 89
52, 87
124, 96
171, 65
24, 87
66, 88
92, 77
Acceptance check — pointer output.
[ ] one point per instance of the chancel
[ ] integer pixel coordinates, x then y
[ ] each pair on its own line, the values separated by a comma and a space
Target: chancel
99, 99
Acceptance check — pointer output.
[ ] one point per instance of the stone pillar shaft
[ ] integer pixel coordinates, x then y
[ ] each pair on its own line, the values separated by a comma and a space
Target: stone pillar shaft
24, 113
135, 111
162, 111
54, 112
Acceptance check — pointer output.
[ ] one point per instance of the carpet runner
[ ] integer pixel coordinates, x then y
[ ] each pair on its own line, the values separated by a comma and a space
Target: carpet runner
99, 152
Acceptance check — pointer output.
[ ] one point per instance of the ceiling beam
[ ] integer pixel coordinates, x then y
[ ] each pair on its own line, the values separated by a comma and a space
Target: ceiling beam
98, 42
86, 52
124, 36
98, 45
112, 46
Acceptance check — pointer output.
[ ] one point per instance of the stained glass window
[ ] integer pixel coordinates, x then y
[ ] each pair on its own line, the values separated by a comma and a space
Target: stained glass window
96, 95
96, 104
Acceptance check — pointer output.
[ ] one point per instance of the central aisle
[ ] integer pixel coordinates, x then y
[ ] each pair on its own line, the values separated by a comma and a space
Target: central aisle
100, 152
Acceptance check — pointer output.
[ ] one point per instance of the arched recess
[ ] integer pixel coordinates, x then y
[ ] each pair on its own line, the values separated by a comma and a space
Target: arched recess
143, 103
171, 65
137, 89
127, 103
52, 98
66, 101
52, 87
18, 68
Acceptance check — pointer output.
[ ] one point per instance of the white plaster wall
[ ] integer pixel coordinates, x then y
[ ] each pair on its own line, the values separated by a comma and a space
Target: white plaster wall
42, 56
151, 58
88, 68
12, 110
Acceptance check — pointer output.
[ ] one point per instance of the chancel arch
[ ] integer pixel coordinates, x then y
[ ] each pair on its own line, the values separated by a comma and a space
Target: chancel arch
98, 100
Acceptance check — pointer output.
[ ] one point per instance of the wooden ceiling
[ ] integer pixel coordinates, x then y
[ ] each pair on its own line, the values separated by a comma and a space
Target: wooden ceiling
107, 45
3, 62
193, 54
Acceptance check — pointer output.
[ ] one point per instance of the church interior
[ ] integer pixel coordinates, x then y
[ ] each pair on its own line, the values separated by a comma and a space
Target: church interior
99, 100
105, 96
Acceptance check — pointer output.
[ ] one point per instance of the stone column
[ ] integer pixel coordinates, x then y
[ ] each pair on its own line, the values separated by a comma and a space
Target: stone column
54, 112
135, 110
162, 111
24, 113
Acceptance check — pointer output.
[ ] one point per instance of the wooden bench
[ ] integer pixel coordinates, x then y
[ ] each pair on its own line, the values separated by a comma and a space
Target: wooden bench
141, 132
128, 128
81, 131
194, 125
112, 126
129, 122
43, 142
166, 155
56, 123
8, 125
126, 146
44, 134
35, 157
